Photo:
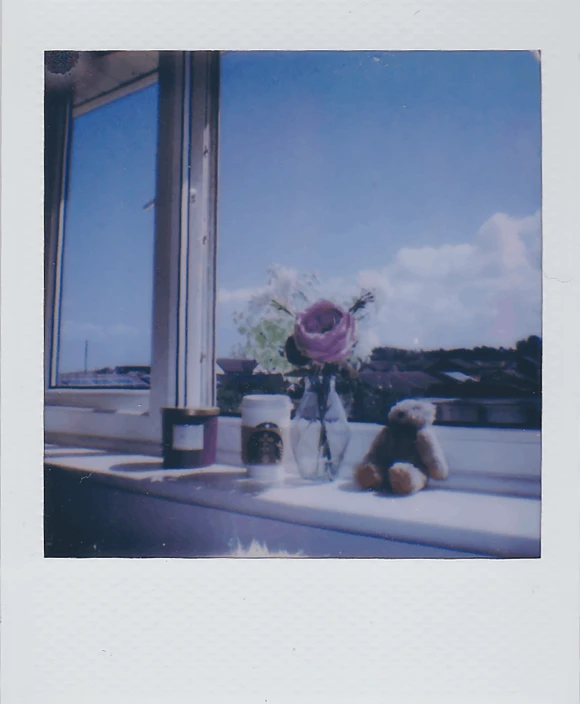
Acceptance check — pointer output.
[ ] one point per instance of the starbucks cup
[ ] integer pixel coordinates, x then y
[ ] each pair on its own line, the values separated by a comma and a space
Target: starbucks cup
266, 436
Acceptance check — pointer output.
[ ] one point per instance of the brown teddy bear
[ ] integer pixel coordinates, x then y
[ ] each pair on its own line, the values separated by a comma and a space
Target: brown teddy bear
405, 453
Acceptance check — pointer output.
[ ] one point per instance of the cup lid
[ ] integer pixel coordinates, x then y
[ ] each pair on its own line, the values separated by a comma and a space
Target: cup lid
277, 400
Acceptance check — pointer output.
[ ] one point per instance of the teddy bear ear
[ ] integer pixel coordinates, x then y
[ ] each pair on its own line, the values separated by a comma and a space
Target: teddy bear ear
396, 410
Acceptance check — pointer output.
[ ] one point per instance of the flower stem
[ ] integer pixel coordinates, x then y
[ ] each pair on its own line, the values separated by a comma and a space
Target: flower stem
322, 393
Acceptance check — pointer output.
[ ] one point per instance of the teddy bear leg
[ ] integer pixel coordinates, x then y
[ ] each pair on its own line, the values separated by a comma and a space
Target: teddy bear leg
367, 476
405, 478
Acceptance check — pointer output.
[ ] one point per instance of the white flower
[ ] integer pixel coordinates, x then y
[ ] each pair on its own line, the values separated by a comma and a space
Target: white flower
367, 340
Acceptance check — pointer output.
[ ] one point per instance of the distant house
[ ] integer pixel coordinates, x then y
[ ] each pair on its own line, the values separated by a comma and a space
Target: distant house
239, 378
133, 369
232, 365
464, 364
494, 412
379, 365
400, 383
444, 364
529, 366
105, 378
459, 377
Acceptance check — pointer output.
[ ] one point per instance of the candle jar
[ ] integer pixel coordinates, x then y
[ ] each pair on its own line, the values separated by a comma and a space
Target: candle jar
189, 437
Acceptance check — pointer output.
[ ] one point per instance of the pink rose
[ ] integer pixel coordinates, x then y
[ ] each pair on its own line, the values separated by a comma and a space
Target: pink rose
325, 333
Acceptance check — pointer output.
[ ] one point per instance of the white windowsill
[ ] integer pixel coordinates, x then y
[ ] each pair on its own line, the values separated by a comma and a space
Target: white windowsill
101, 399
492, 513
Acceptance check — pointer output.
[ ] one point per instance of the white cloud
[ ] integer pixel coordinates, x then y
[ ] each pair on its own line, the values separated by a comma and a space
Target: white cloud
508, 243
485, 290
236, 295
367, 339
374, 281
436, 262
281, 285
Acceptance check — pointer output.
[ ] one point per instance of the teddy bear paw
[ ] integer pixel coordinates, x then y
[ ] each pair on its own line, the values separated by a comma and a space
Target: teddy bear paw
405, 478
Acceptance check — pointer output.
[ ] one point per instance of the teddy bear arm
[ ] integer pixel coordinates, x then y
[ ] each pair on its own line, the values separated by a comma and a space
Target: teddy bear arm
431, 454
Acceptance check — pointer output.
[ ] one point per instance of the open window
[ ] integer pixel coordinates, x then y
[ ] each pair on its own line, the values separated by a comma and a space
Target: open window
130, 241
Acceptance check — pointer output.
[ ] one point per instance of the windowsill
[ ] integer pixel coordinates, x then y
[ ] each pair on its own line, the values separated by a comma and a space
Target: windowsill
127, 400
494, 513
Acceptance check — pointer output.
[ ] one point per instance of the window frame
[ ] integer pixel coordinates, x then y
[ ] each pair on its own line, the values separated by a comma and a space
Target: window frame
184, 285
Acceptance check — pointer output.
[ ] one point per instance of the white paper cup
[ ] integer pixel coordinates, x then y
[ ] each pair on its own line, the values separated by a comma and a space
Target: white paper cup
266, 436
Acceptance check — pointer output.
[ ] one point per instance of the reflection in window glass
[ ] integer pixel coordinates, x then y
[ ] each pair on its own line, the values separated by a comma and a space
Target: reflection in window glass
415, 175
107, 280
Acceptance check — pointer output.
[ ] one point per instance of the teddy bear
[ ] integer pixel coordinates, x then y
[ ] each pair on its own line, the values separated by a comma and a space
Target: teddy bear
405, 453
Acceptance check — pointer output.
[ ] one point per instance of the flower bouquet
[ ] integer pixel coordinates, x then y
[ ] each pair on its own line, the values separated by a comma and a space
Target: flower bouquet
320, 346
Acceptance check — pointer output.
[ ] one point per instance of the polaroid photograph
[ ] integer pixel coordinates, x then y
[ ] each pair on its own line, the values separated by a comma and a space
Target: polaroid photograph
293, 304
289, 352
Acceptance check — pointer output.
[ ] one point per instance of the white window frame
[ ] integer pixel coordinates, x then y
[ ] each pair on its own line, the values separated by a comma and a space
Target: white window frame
184, 288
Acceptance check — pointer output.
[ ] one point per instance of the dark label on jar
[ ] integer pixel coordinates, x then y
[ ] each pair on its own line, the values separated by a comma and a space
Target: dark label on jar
262, 444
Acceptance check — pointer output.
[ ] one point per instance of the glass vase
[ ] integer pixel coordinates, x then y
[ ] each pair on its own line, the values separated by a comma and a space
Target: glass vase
320, 430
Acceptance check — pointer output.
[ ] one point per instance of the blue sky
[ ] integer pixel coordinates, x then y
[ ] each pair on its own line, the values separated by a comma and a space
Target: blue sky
335, 162
417, 172
108, 255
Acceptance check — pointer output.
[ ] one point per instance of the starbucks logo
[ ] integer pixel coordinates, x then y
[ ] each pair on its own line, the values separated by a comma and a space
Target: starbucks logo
265, 445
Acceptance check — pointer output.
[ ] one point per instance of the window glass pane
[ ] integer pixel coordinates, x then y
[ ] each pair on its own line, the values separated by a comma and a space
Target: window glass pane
415, 175
107, 281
